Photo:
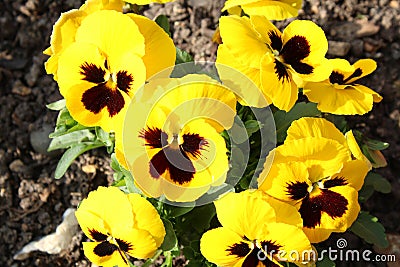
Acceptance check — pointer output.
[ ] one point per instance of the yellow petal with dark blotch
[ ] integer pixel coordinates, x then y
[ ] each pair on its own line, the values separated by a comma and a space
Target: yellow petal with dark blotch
314, 127
367, 66
354, 172
344, 214
280, 88
160, 51
115, 259
92, 225
313, 34
217, 246
147, 218
138, 243
287, 181
111, 205
294, 245
241, 40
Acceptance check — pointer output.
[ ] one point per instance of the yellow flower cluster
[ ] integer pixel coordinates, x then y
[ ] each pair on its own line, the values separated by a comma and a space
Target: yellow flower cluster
168, 131
280, 63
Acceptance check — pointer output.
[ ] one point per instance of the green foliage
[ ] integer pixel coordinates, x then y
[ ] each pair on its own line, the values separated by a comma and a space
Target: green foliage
325, 262
170, 240
284, 119
163, 22
75, 138
373, 182
182, 57
368, 228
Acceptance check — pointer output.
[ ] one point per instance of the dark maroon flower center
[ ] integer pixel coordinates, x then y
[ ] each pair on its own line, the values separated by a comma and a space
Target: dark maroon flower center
105, 248
337, 77
173, 158
102, 95
256, 255
292, 52
311, 209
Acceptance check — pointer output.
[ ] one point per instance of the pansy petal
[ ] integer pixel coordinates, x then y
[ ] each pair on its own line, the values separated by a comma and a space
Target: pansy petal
289, 238
104, 27
337, 207
251, 210
277, 83
243, 42
160, 51
312, 34
104, 254
92, 225
375, 96
285, 213
355, 148
147, 218
273, 10
324, 157
136, 242
287, 181
218, 246
91, 6
314, 127
338, 101
248, 87
115, 213
200, 96
354, 172
367, 66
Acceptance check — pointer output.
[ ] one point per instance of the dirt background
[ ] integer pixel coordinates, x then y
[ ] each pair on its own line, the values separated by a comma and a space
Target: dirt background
32, 201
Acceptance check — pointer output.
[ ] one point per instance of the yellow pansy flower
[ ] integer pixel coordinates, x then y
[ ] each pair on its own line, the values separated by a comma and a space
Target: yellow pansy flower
272, 10
278, 63
257, 230
340, 94
128, 224
316, 171
64, 30
174, 147
112, 55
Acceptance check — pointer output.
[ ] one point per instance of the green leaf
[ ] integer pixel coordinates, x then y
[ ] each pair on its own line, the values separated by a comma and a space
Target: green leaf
71, 154
182, 57
173, 211
70, 139
170, 240
325, 262
115, 164
284, 119
368, 228
252, 126
365, 193
130, 182
376, 144
163, 22
58, 105
379, 183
